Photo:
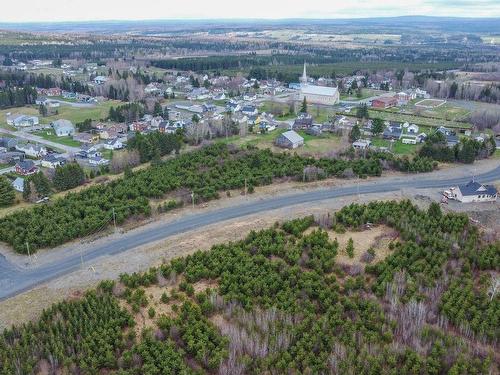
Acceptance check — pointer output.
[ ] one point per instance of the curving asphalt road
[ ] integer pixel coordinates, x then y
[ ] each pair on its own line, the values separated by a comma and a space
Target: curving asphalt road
14, 279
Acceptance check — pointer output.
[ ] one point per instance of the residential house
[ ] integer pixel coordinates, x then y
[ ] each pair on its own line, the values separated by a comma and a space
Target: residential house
304, 121
98, 161
32, 149
21, 121
249, 110
100, 80
233, 106
452, 140
156, 121
473, 191
392, 132
8, 143
412, 129
113, 144
11, 157
361, 144
18, 184
53, 161
63, 128
138, 126
403, 98
254, 120
26, 168
409, 139
86, 138
289, 139
419, 93
315, 130
384, 102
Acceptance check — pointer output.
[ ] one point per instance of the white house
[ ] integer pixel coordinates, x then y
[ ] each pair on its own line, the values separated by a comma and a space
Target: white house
100, 80
413, 129
473, 191
32, 149
63, 128
18, 184
98, 161
52, 161
361, 144
20, 121
113, 144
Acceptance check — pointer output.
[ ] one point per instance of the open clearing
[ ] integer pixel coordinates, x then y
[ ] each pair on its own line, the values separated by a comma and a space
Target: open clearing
430, 103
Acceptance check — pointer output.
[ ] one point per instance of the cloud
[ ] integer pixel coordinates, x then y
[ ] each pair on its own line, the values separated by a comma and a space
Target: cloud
78, 10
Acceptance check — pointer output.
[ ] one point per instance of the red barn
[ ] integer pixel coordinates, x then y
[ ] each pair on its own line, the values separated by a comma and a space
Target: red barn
385, 102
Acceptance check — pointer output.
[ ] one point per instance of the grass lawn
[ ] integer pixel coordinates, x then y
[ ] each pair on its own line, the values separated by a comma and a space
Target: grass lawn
67, 112
312, 145
365, 93
50, 136
398, 147
415, 119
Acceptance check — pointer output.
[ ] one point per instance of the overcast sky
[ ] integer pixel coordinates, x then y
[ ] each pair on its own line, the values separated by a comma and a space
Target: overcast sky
80, 10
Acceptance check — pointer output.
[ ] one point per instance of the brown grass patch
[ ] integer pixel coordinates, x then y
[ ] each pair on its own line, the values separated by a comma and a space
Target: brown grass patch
377, 238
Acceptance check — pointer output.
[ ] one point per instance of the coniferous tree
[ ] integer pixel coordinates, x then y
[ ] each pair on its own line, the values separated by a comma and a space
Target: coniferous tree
7, 193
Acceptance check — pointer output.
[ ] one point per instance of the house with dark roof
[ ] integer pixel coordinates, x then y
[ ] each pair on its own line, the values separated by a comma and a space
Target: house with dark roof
26, 168
392, 132
473, 191
304, 121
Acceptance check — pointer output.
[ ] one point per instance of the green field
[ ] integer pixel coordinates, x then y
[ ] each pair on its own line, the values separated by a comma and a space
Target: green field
365, 93
98, 112
398, 147
50, 136
392, 115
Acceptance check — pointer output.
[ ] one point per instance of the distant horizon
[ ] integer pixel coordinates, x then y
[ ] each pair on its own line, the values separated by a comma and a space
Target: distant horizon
259, 20
62, 11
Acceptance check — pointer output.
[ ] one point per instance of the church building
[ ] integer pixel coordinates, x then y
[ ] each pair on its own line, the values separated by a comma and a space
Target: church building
317, 94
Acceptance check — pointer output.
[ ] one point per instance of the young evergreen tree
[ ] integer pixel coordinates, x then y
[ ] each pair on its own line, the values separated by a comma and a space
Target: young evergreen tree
303, 109
7, 193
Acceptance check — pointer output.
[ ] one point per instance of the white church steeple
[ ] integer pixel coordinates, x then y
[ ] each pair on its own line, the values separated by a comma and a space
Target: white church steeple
303, 80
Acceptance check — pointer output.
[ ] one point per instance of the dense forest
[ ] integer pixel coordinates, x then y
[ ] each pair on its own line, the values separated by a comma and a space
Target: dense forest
280, 301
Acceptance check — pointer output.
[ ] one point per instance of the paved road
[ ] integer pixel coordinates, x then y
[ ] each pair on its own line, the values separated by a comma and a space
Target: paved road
14, 279
36, 138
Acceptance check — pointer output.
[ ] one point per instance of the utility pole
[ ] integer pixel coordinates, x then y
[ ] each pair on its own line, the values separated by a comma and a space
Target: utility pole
28, 248
192, 198
245, 187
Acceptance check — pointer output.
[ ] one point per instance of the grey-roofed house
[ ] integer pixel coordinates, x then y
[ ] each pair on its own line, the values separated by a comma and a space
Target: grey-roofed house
53, 161
63, 128
452, 140
392, 132
26, 167
473, 191
8, 143
18, 184
289, 139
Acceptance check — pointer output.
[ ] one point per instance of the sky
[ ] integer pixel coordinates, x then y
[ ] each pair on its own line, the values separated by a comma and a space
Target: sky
84, 10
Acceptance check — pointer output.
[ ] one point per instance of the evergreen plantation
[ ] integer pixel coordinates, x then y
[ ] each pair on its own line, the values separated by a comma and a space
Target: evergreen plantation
278, 302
